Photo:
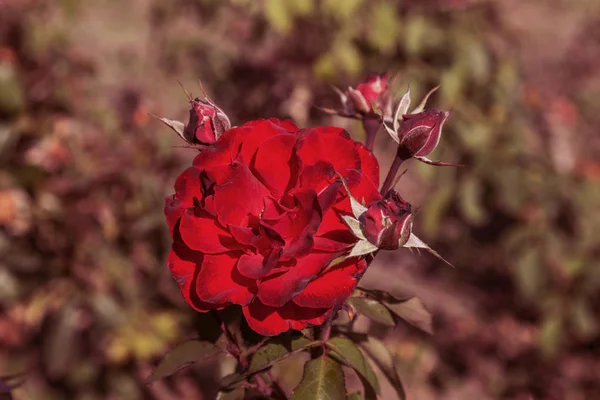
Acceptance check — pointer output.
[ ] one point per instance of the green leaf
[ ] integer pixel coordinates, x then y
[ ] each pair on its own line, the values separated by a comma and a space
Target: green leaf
414, 312
372, 309
270, 356
376, 350
183, 354
276, 349
353, 358
323, 379
382, 295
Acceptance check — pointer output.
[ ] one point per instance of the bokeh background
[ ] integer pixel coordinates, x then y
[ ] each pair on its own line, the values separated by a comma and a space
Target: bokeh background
87, 306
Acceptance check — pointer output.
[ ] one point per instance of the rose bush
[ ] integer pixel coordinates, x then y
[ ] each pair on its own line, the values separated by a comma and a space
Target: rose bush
256, 221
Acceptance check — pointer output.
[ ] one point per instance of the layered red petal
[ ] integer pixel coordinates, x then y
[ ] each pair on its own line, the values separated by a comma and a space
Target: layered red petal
219, 281
271, 321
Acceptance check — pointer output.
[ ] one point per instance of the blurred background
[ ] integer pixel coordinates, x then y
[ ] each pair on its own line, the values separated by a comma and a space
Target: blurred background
87, 305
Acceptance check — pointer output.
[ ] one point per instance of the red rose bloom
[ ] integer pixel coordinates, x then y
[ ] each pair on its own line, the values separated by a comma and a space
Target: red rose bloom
256, 222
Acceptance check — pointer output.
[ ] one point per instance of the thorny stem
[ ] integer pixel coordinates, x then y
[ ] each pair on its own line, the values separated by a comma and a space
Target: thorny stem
276, 388
389, 179
234, 348
371, 127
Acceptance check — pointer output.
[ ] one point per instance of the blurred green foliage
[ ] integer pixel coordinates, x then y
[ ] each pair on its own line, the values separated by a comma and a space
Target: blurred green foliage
87, 304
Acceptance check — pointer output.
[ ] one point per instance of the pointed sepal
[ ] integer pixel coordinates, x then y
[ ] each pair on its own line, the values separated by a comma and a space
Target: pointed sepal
423, 102
401, 109
437, 163
177, 126
415, 242
357, 208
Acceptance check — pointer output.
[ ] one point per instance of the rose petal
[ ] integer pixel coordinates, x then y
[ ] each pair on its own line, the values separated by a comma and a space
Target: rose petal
270, 321
223, 150
220, 282
253, 266
298, 225
307, 222
368, 164
333, 234
333, 287
238, 193
272, 163
173, 212
361, 188
262, 130
286, 124
204, 234
183, 264
316, 145
242, 235
278, 290
187, 186
317, 176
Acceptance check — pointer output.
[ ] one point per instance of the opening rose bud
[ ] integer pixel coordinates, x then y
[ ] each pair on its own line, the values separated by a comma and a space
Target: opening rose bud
207, 122
369, 99
373, 88
420, 133
388, 223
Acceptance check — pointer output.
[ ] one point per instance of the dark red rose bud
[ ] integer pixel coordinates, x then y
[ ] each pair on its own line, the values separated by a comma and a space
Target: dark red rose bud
388, 223
207, 122
420, 133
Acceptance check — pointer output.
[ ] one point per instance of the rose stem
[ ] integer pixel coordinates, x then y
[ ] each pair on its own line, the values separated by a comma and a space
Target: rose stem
276, 387
326, 329
371, 127
235, 350
232, 343
389, 179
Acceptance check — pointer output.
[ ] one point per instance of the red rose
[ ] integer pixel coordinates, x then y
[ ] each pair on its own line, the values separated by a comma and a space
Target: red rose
256, 222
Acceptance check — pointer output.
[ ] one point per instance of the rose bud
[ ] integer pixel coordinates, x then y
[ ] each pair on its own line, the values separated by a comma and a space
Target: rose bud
371, 93
206, 124
420, 133
370, 100
417, 132
388, 223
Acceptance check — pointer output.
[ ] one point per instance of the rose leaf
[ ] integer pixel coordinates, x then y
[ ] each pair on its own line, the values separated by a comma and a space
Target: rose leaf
323, 379
372, 309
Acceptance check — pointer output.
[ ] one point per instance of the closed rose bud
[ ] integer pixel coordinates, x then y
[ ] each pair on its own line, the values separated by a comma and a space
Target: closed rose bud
388, 223
207, 123
420, 133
